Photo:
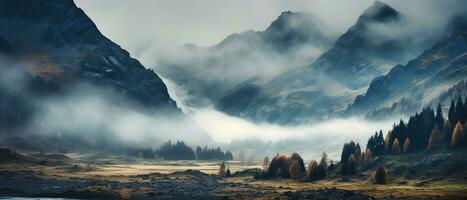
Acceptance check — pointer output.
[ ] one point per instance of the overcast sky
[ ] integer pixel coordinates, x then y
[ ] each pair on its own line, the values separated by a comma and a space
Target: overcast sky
139, 25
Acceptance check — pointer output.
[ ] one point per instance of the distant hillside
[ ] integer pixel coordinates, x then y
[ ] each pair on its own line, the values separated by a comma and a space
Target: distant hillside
324, 88
424, 78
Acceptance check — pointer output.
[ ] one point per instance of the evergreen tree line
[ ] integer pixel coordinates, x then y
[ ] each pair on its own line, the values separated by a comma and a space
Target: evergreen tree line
213, 154
425, 130
179, 151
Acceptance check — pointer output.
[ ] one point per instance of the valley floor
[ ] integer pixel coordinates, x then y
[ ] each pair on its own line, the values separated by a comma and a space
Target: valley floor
116, 178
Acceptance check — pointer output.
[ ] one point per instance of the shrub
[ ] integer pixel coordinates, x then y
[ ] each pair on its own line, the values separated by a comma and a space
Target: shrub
294, 170
380, 175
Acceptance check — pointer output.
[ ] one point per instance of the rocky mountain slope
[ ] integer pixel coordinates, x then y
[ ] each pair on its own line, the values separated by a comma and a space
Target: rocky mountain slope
323, 89
59, 43
422, 79
61, 76
291, 40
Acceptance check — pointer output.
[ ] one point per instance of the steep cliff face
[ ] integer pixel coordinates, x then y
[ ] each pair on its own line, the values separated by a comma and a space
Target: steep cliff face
423, 78
61, 44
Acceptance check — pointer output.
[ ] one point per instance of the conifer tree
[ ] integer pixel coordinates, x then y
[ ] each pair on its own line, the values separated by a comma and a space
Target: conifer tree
458, 135
407, 144
313, 170
227, 173
265, 163
447, 132
452, 114
396, 148
352, 165
222, 169
439, 118
435, 139
366, 157
323, 165
387, 142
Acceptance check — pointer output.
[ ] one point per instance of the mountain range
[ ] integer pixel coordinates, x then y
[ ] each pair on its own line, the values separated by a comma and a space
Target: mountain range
320, 86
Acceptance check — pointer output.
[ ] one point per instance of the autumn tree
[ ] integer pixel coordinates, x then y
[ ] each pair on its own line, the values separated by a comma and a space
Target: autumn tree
297, 157
222, 169
458, 135
380, 175
435, 139
279, 167
407, 144
265, 163
396, 148
366, 157
313, 170
387, 142
323, 165
294, 170
352, 165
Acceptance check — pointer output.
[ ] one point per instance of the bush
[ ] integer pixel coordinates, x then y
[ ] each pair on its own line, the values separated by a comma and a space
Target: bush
294, 170
380, 175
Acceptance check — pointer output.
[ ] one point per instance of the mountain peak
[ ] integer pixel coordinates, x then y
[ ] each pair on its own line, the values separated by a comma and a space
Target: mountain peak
289, 19
379, 12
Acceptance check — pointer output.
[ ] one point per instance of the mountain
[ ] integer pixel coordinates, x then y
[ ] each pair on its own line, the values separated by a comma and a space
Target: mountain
324, 88
64, 81
291, 40
61, 44
440, 69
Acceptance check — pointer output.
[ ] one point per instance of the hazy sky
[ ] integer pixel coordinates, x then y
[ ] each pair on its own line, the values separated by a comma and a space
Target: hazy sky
139, 25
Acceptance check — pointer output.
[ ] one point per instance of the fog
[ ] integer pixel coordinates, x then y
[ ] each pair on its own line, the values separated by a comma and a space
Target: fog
152, 30
257, 140
86, 113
